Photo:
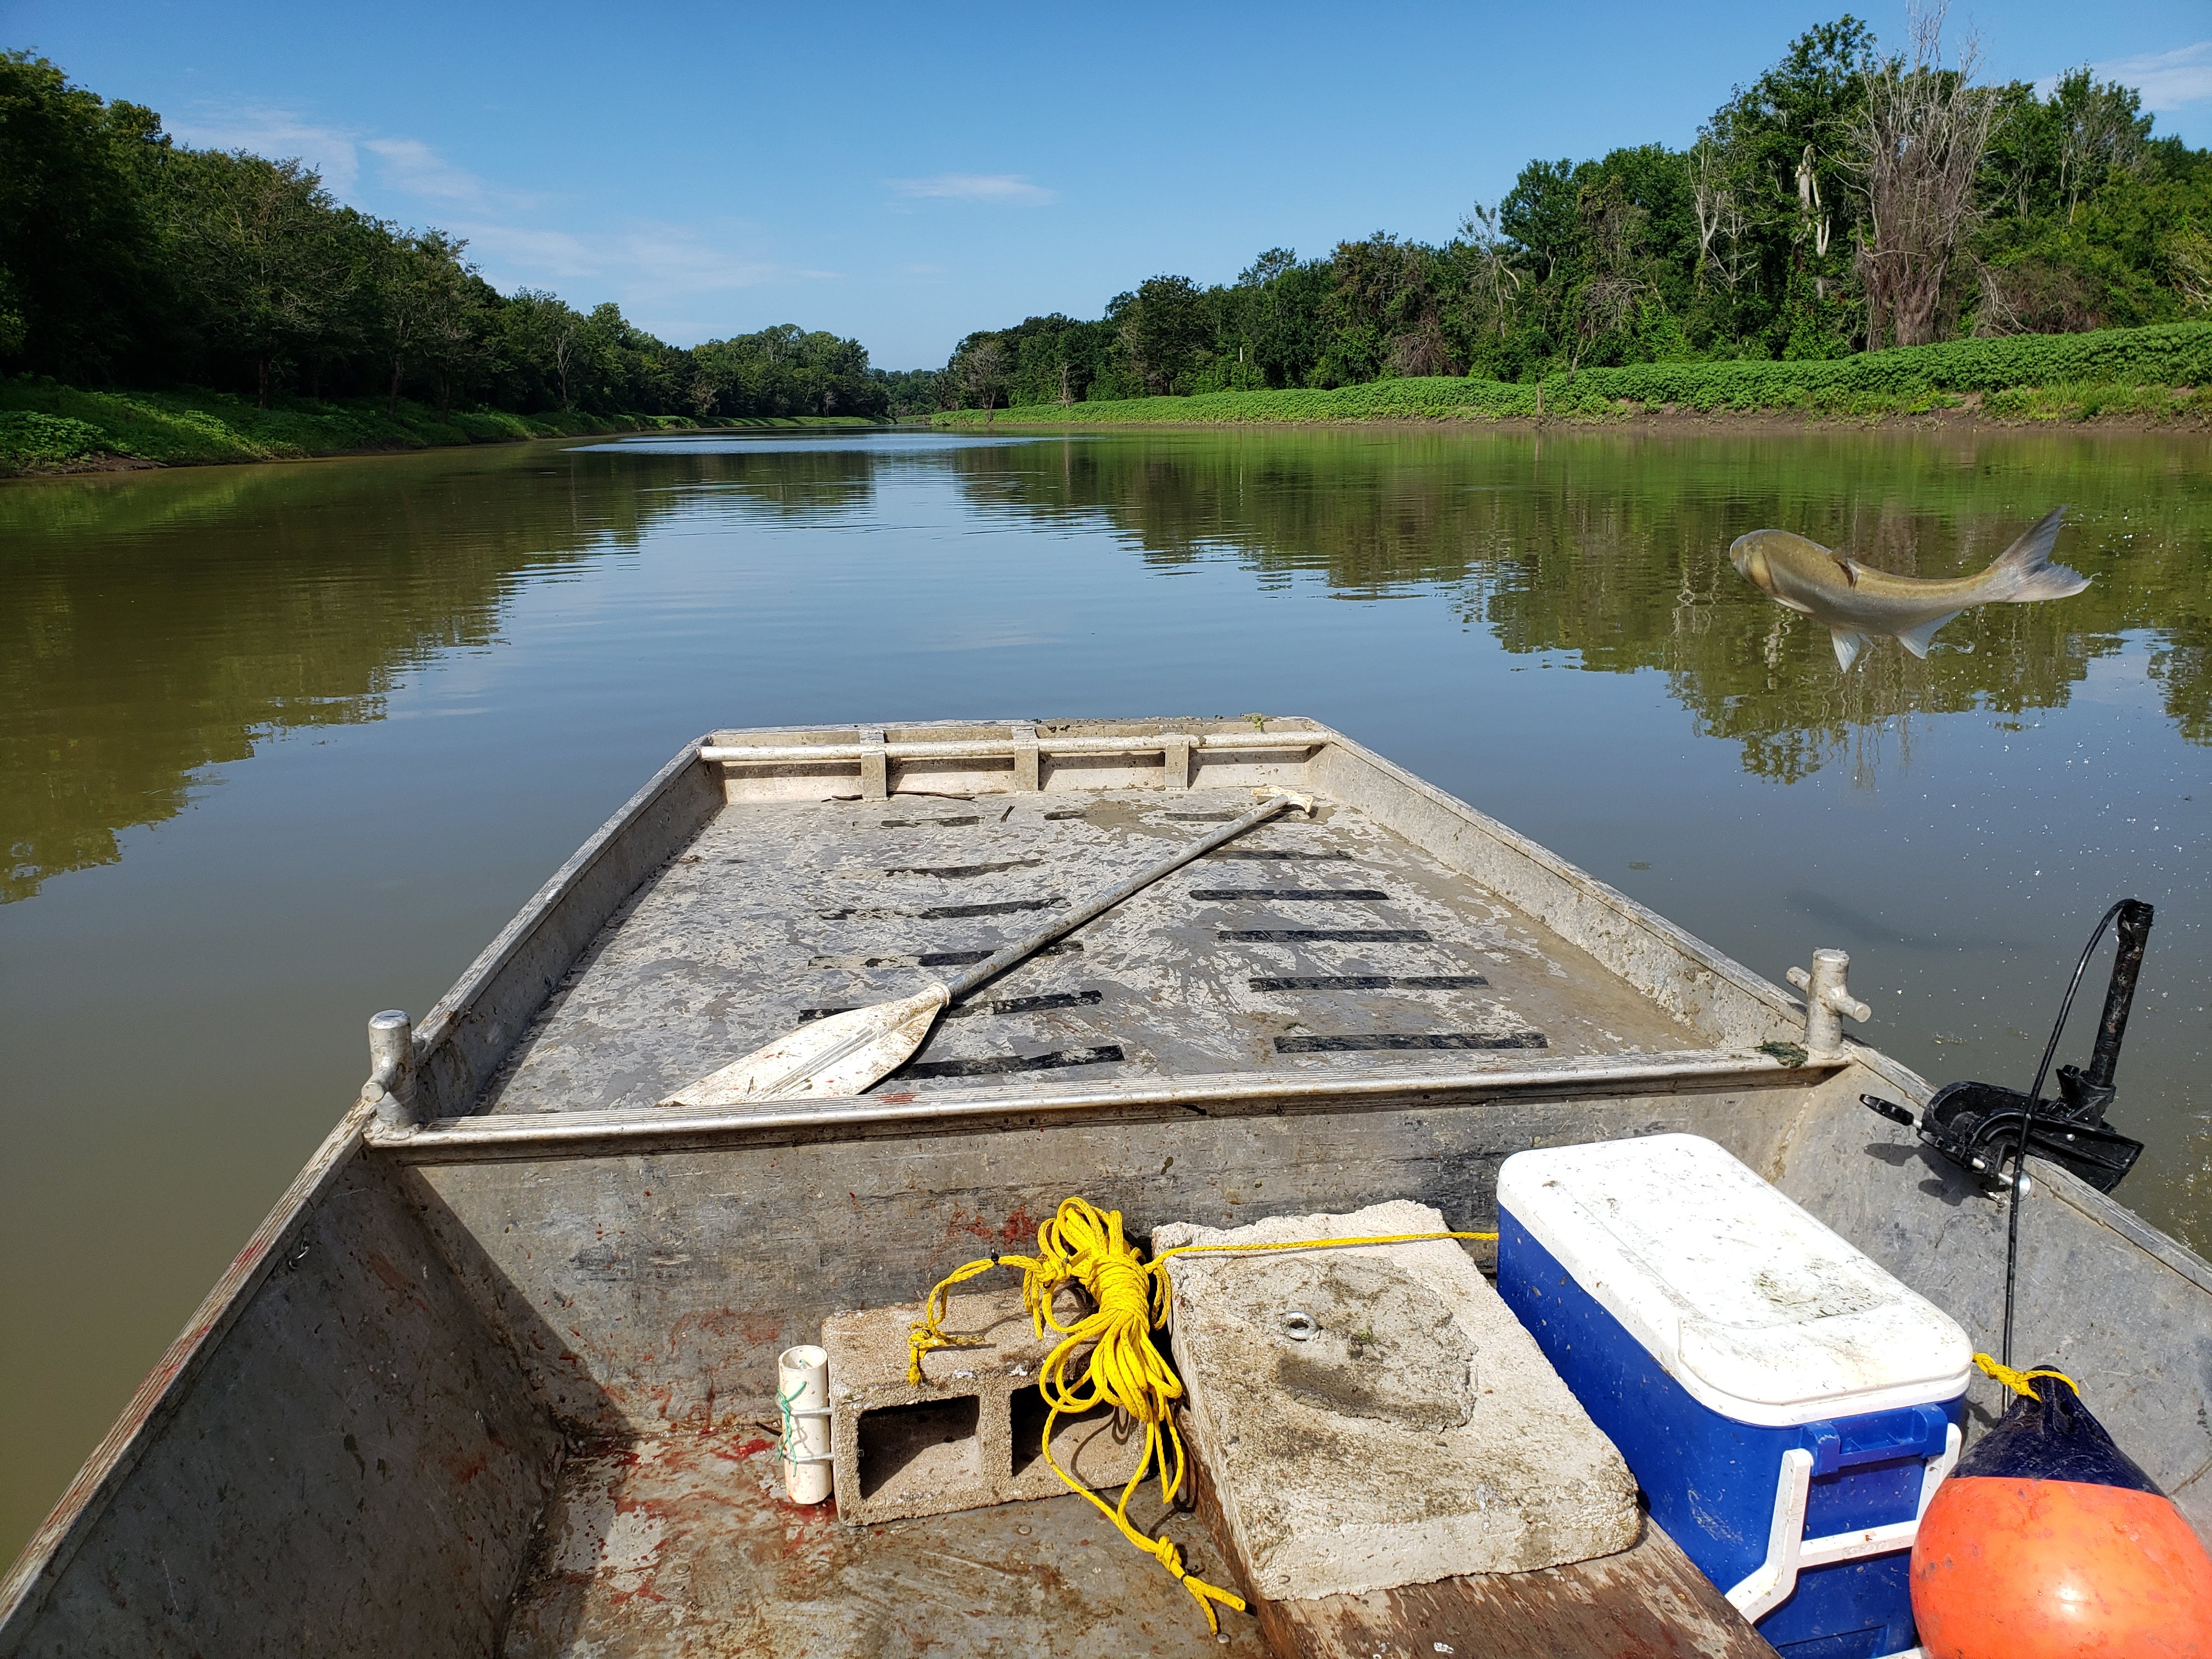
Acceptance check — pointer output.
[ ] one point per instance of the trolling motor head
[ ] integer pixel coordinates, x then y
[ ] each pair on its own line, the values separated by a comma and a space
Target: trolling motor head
1977, 1126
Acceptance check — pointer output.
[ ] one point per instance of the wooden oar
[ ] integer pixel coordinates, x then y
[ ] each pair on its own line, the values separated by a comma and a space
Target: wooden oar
849, 1053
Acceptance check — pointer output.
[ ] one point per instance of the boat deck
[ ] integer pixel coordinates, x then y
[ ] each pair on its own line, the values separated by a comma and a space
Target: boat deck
1333, 946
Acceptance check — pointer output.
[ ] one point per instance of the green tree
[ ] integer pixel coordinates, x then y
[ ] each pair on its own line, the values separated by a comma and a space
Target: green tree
1282, 303
431, 310
1162, 328
271, 262
83, 293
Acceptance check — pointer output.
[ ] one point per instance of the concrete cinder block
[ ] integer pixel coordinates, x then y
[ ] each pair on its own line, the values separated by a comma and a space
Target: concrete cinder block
970, 1435
1375, 1415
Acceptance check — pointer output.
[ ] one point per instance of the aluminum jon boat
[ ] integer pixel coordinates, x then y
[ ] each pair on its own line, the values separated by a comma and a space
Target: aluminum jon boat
492, 1377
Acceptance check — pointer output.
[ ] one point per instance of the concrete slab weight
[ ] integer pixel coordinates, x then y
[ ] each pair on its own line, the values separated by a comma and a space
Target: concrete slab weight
1375, 1415
968, 1436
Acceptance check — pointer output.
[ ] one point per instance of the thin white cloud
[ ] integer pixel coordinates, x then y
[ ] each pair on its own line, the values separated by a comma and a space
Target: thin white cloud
331, 151
2167, 79
997, 189
650, 259
658, 271
411, 167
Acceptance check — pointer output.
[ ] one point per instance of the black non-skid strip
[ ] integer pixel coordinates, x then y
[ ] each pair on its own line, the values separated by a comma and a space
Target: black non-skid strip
1002, 908
1259, 853
1078, 812
946, 912
961, 872
1028, 1004
936, 959
970, 1010
1347, 1045
931, 823
1370, 982
1108, 1054
1198, 817
1324, 935
1365, 894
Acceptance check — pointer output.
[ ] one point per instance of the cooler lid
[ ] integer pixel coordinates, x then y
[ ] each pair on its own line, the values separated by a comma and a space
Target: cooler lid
1757, 1310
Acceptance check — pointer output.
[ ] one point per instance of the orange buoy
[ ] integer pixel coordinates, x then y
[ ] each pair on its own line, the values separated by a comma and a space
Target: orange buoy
2048, 1542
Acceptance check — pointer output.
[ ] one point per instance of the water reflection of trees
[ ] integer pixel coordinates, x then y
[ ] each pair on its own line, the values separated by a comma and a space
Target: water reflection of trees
152, 627
1615, 548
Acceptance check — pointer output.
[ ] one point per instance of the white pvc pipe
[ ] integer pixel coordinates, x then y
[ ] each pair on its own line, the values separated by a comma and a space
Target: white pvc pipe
802, 1392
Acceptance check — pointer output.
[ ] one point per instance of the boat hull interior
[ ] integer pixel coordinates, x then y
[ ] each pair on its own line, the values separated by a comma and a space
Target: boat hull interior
502, 1380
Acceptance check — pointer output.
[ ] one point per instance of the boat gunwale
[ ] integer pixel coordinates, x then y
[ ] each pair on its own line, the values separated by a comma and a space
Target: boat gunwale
441, 1023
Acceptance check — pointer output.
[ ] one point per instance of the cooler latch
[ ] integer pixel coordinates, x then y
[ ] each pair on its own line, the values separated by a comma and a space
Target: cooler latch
1917, 1432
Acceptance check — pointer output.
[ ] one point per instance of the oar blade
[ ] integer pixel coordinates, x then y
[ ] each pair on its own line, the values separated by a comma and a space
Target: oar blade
841, 1055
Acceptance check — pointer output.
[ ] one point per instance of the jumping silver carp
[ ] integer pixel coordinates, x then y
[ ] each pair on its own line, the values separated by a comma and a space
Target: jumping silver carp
1859, 605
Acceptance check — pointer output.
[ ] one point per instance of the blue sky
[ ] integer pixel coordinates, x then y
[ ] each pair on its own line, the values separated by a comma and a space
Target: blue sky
906, 173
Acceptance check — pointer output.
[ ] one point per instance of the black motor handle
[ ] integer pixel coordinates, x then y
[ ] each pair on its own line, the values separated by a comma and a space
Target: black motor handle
2134, 933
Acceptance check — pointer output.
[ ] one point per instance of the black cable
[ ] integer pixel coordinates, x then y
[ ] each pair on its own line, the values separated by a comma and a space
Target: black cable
2027, 1119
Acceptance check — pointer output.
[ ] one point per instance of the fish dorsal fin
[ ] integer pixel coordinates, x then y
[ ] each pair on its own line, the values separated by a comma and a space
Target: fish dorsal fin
1918, 640
1851, 568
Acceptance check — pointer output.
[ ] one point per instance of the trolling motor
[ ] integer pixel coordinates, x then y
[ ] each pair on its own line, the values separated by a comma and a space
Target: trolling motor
1977, 1126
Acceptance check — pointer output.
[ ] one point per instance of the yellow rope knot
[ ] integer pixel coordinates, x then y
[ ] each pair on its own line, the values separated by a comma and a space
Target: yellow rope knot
2017, 1381
1084, 1245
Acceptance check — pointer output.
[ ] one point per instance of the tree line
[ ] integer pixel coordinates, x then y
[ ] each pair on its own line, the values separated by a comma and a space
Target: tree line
128, 259
1845, 201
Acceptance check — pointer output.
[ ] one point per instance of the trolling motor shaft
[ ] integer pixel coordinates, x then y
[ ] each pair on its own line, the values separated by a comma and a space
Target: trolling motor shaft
2088, 1093
1977, 1126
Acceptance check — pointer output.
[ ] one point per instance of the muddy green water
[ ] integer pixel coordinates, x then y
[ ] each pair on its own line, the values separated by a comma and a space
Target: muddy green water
282, 745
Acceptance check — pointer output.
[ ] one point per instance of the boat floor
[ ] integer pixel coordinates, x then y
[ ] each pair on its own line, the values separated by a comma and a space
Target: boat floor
1333, 946
684, 1547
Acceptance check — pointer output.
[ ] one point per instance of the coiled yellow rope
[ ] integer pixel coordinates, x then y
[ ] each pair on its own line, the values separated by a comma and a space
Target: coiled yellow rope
2017, 1381
1084, 1245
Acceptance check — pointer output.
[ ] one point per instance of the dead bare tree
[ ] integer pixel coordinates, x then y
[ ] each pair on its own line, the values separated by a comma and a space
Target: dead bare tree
980, 371
1605, 304
1918, 141
1706, 194
1722, 221
1499, 284
1814, 225
2191, 251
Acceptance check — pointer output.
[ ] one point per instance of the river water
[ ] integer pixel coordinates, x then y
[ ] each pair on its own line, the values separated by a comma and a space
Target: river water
286, 745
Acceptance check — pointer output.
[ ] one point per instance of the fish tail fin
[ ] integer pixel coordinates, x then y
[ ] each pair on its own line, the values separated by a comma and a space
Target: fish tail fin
2023, 573
1848, 646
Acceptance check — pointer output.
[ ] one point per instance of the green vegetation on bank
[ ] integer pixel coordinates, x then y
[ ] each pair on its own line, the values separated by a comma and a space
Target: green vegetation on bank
130, 260
47, 427
1847, 199
2157, 373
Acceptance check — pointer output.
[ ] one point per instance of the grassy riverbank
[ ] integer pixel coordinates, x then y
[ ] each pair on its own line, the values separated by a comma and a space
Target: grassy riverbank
2161, 374
46, 427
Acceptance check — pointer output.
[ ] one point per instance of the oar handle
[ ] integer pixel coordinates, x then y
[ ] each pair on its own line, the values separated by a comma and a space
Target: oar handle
997, 963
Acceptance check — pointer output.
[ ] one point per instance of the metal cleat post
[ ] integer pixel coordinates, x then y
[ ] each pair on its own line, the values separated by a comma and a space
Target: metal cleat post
391, 1085
1827, 1000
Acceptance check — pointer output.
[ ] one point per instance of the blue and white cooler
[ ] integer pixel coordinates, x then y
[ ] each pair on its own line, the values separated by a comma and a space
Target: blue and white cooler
1786, 1405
